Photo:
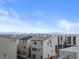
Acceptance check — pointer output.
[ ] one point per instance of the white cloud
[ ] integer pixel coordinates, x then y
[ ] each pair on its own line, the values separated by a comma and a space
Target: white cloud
10, 0
40, 24
11, 21
6, 1
2, 11
66, 25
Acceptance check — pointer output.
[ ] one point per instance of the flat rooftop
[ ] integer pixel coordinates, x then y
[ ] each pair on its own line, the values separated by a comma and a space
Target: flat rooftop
40, 38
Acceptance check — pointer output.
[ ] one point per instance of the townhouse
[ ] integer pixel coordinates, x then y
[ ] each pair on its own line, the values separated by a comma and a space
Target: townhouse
43, 46
71, 47
24, 47
8, 47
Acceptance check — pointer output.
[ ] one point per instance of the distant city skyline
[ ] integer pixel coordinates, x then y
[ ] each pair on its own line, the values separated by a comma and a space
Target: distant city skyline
39, 16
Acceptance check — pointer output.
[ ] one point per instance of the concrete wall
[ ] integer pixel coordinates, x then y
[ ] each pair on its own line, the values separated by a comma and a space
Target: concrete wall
77, 55
39, 52
27, 49
77, 40
8, 49
47, 50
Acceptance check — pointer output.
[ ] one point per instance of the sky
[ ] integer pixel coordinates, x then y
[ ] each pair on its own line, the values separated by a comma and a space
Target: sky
39, 16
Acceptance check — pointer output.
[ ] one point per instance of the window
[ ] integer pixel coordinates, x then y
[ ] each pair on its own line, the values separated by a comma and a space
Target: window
5, 54
50, 42
33, 56
69, 40
41, 57
48, 55
35, 42
74, 39
58, 37
61, 38
41, 43
18, 52
56, 49
34, 49
24, 47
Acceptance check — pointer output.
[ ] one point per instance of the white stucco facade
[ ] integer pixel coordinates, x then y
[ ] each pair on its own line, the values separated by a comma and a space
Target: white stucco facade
8, 48
24, 47
43, 48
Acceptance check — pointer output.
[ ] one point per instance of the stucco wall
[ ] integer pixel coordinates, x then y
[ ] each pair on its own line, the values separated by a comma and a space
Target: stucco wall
8, 49
39, 52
